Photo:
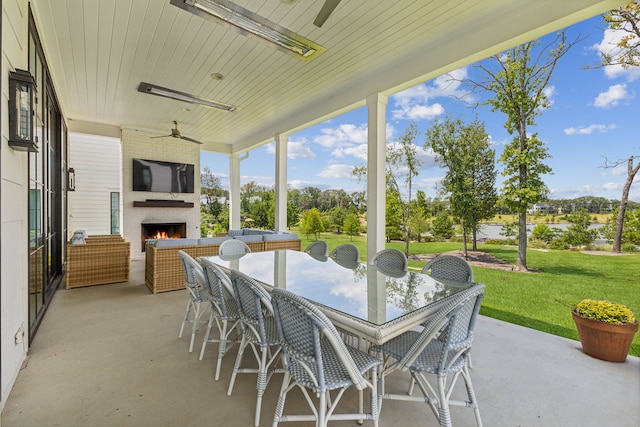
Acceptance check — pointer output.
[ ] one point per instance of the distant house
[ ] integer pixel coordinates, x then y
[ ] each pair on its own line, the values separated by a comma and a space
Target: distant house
540, 209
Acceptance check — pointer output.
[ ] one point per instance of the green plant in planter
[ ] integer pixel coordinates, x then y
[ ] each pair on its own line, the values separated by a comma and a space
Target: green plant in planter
605, 311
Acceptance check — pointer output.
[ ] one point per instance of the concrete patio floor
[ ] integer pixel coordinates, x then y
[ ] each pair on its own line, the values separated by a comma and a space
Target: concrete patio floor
109, 356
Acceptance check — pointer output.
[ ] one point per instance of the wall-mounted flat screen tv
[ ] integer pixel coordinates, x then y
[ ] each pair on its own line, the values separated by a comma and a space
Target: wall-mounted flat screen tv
162, 177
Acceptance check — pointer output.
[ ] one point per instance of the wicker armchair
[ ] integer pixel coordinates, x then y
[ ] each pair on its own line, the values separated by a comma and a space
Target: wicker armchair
318, 248
449, 267
441, 349
198, 298
100, 261
390, 259
224, 310
233, 247
317, 359
346, 252
258, 331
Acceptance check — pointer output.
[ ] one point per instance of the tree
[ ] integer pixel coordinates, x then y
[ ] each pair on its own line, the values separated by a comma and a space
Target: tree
464, 150
311, 222
352, 225
402, 159
624, 200
517, 79
418, 223
578, 233
627, 50
338, 215
544, 233
393, 214
625, 54
443, 225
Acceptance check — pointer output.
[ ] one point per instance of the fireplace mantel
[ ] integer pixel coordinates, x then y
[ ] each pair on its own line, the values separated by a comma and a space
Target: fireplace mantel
162, 204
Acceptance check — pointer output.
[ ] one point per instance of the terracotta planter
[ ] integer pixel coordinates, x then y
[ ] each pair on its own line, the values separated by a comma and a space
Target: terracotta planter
605, 341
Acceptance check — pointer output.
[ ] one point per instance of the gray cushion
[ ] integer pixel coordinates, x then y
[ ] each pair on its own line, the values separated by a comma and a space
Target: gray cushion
212, 240
280, 236
250, 238
167, 243
235, 232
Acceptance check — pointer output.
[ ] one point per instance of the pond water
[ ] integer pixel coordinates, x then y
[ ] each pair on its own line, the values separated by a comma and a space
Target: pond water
492, 231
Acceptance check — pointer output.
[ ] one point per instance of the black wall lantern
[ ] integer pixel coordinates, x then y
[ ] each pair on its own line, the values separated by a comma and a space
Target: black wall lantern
71, 179
21, 88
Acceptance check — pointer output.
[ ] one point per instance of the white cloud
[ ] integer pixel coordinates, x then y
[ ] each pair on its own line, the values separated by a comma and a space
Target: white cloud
296, 149
549, 91
617, 171
299, 184
344, 134
589, 129
418, 112
609, 45
609, 186
337, 171
357, 151
612, 96
413, 103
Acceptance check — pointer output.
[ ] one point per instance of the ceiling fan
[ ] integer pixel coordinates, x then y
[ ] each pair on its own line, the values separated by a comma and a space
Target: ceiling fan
175, 133
327, 9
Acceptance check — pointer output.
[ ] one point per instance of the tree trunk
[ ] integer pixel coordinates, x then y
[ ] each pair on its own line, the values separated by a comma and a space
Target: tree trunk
464, 237
617, 237
475, 240
521, 264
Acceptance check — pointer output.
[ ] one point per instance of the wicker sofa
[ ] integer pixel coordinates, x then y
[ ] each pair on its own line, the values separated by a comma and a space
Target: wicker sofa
163, 270
102, 259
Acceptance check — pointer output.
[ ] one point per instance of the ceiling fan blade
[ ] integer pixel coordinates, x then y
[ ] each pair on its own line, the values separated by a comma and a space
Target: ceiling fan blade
186, 138
327, 9
161, 136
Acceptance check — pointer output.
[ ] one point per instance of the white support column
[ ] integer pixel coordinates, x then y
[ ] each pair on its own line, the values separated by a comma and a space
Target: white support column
234, 191
376, 188
281, 141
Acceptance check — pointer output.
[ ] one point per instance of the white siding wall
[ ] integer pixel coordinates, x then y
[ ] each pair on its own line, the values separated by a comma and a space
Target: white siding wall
97, 163
13, 200
137, 144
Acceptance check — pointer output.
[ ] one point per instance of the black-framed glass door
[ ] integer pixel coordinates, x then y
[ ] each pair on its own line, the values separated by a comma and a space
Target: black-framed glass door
46, 198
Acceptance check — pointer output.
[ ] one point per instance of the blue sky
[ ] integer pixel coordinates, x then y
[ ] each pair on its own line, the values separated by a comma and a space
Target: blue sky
594, 114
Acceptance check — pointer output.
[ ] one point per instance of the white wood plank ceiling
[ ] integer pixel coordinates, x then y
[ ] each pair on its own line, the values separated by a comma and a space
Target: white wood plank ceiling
99, 51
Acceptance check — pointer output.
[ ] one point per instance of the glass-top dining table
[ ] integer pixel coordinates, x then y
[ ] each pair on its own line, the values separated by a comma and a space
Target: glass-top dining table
360, 299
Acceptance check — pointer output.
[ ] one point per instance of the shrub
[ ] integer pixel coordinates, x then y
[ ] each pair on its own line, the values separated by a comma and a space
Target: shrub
538, 244
630, 247
559, 244
605, 311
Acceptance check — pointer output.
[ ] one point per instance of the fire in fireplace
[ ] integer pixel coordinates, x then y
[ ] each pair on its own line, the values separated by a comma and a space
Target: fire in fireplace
167, 230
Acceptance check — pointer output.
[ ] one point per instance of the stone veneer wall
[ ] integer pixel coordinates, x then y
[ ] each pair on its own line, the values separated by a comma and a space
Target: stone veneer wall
138, 144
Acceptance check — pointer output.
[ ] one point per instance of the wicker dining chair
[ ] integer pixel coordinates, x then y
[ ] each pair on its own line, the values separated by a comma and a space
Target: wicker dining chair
390, 259
233, 247
224, 310
346, 252
258, 332
449, 267
319, 248
441, 349
198, 297
316, 359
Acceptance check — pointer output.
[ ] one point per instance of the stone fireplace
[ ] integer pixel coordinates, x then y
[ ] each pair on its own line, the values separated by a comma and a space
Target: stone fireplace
162, 230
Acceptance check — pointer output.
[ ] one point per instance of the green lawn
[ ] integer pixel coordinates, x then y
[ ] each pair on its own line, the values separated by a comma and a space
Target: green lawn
543, 300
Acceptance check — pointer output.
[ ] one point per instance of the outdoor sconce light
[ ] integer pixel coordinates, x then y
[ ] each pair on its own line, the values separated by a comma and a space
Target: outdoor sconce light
21, 88
71, 180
